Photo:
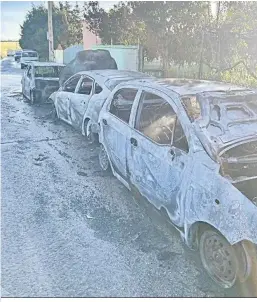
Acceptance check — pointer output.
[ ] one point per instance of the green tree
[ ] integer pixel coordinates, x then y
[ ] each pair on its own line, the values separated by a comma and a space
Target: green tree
67, 28
185, 33
166, 29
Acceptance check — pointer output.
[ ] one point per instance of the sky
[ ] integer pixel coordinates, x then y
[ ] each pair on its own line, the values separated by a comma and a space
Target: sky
13, 14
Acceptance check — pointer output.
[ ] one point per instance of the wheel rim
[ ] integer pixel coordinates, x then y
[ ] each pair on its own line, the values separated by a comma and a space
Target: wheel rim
103, 158
218, 258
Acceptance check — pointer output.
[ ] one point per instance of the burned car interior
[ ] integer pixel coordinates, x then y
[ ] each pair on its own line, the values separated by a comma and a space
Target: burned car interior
157, 120
86, 86
122, 103
48, 71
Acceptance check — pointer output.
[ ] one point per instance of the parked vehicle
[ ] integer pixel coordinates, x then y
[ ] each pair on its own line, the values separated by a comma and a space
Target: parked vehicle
40, 80
190, 148
28, 56
79, 101
10, 53
17, 55
88, 60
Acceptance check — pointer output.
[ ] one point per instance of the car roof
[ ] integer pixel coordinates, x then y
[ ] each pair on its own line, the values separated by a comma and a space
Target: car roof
112, 73
186, 86
45, 64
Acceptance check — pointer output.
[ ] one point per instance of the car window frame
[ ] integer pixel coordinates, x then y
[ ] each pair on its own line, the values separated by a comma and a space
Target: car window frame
79, 83
69, 80
98, 85
175, 108
29, 69
133, 105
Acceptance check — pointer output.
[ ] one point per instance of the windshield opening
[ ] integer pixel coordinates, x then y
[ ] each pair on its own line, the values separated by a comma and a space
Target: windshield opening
31, 54
48, 71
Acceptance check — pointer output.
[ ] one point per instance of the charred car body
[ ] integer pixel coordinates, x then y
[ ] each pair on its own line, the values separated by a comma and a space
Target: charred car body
79, 101
98, 59
190, 148
40, 80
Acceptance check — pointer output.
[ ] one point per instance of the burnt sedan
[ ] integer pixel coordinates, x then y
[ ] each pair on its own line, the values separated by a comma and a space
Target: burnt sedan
40, 80
80, 99
190, 148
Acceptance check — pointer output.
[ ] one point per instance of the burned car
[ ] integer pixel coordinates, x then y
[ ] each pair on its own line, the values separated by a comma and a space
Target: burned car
40, 80
79, 101
84, 60
190, 148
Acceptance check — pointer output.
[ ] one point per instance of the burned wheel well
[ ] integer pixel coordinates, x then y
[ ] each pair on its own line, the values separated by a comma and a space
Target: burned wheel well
195, 231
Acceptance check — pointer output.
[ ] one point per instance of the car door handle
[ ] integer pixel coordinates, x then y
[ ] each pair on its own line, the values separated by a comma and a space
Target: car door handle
133, 141
104, 121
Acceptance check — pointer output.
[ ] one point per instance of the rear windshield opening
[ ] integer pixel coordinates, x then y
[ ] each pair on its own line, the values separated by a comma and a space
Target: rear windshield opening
29, 54
48, 71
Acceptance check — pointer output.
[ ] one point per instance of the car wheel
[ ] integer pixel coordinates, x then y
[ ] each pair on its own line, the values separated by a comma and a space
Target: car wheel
90, 136
22, 66
218, 257
103, 159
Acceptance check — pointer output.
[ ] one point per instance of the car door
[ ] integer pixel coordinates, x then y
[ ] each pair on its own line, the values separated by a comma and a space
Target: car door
23, 81
80, 99
64, 96
158, 152
95, 105
116, 129
27, 81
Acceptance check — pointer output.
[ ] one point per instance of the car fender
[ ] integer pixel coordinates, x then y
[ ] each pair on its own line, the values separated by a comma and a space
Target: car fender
92, 114
212, 199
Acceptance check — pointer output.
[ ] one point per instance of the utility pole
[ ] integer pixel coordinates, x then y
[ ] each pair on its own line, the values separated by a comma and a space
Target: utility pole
200, 71
50, 35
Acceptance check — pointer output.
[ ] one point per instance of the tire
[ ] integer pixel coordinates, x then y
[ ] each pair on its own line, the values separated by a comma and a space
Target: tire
22, 66
218, 257
104, 160
248, 275
90, 136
